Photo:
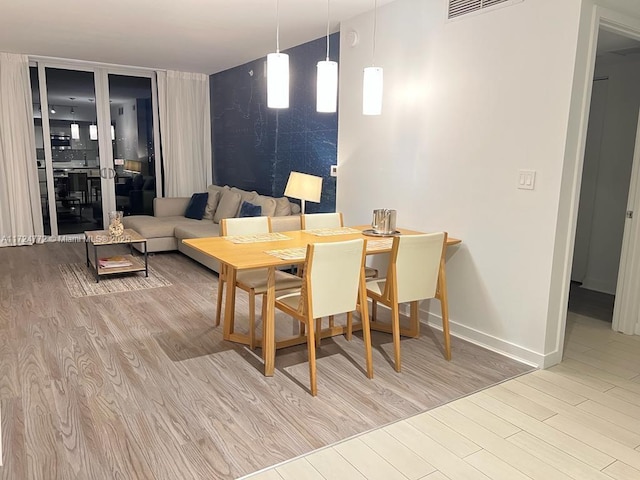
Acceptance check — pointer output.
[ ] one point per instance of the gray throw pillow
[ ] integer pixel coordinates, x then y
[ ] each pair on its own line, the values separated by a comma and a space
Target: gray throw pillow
283, 207
212, 202
268, 205
228, 206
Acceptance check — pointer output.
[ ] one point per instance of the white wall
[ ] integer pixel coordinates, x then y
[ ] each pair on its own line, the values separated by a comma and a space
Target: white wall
467, 104
613, 158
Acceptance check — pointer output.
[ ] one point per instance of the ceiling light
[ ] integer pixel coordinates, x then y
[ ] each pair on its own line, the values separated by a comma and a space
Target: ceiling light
327, 80
93, 132
75, 128
372, 78
278, 72
53, 109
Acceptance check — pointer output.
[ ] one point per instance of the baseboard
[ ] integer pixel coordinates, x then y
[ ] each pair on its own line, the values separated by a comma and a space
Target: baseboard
495, 344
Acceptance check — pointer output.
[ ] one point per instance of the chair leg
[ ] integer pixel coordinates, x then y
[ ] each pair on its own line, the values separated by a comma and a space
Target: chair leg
220, 297
331, 321
318, 331
252, 319
374, 310
349, 325
395, 326
311, 347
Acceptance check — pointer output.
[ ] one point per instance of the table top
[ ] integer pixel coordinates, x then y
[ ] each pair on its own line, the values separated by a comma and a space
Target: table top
254, 255
102, 237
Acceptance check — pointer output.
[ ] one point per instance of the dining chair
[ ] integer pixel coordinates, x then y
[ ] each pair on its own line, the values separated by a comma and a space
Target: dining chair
78, 183
333, 284
412, 275
254, 281
314, 221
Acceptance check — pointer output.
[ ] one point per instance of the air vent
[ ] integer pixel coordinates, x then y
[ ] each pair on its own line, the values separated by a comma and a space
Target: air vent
457, 8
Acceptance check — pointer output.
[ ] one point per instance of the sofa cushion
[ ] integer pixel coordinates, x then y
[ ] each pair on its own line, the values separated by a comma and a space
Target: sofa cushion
200, 229
249, 210
244, 195
212, 203
283, 207
228, 206
196, 206
149, 183
138, 182
155, 227
268, 205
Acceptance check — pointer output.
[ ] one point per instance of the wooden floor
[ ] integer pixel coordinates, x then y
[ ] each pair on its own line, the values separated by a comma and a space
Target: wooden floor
591, 303
578, 420
141, 384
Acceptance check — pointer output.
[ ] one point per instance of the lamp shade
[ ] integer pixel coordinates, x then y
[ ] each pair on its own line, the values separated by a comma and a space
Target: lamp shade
304, 187
372, 91
75, 131
327, 86
278, 80
93, 132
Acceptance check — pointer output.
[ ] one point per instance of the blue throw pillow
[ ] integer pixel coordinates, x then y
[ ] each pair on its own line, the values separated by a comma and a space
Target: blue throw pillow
196, 206
250, 210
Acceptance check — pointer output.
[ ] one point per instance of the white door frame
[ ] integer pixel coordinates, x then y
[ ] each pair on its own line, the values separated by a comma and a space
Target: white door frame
627, 303
622, 24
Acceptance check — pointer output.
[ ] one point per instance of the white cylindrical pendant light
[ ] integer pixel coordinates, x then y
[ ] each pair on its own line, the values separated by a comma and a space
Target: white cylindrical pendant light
278, 80
327, 86
113, 132
75, 131
372, 91
93, 132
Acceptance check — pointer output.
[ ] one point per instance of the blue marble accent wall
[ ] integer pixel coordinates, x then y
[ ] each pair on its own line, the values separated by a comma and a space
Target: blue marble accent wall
254, 147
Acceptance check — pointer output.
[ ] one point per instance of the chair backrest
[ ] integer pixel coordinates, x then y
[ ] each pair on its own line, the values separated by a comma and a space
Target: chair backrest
244, 225
313, 221
332, 276
415, 263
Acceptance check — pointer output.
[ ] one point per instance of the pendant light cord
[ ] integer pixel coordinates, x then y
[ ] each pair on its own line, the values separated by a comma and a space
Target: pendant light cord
277, 26
375, 25
328, 17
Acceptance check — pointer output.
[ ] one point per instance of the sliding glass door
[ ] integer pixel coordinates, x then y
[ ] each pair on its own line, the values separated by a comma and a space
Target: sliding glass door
96, 142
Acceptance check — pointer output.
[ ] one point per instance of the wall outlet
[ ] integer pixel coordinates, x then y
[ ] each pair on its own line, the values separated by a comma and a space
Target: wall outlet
334, 171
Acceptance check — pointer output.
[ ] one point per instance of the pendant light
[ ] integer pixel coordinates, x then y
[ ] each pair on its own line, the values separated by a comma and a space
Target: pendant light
327, 80
372, 79
75, 128
278, 72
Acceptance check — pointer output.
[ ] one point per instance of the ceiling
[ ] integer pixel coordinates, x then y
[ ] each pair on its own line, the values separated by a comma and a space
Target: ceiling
204, 36
614, 48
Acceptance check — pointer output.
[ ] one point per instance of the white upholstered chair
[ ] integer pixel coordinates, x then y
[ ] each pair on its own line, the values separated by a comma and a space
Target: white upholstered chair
254, 281
313, 221
333, 283
414, 266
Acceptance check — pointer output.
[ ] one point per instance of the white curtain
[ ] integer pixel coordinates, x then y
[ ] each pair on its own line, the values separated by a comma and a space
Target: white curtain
20, 210
185, 132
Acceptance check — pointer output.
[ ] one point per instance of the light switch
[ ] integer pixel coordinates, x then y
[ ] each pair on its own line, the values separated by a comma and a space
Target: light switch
526, 179
334, 171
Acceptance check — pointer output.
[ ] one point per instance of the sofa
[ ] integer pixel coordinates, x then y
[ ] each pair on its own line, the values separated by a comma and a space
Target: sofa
168, 226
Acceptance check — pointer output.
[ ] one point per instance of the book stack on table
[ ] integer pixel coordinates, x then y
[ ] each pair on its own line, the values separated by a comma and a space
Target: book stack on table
114, 262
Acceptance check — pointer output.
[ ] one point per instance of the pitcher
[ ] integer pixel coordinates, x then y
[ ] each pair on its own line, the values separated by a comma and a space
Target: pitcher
384, 221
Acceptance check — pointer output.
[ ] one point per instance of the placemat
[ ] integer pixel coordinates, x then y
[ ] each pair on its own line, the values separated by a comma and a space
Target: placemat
257, 237
297, 253
327, 232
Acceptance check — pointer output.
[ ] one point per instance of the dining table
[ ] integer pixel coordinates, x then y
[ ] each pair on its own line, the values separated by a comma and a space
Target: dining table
284, 249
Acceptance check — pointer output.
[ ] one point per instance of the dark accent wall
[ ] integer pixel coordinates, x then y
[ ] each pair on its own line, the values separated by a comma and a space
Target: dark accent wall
255, 147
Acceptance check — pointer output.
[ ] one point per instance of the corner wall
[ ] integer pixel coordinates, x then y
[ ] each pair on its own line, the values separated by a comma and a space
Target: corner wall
255, 148
467, 104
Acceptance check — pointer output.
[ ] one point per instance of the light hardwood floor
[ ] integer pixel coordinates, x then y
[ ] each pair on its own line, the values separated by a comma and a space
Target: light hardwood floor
578, 420
141, 385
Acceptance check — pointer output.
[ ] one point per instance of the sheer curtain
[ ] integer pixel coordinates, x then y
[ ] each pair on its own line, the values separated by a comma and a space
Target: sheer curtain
20, 211
185, 132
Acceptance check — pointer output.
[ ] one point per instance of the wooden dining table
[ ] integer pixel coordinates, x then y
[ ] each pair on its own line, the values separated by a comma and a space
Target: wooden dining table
282, 249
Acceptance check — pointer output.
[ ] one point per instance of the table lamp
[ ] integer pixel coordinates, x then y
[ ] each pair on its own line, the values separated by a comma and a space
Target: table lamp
304, 187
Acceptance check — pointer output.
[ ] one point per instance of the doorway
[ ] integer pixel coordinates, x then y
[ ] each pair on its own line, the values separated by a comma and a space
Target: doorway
96, 137
607, 171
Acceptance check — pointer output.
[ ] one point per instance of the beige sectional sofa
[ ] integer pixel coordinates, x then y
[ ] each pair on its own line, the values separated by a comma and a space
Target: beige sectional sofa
166, 229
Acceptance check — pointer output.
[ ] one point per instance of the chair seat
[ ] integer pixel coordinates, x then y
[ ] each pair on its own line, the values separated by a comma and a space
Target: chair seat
376, 286
291, 299
257, 280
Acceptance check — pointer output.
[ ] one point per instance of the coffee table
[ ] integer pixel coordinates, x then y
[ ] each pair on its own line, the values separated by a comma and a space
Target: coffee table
101, 238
